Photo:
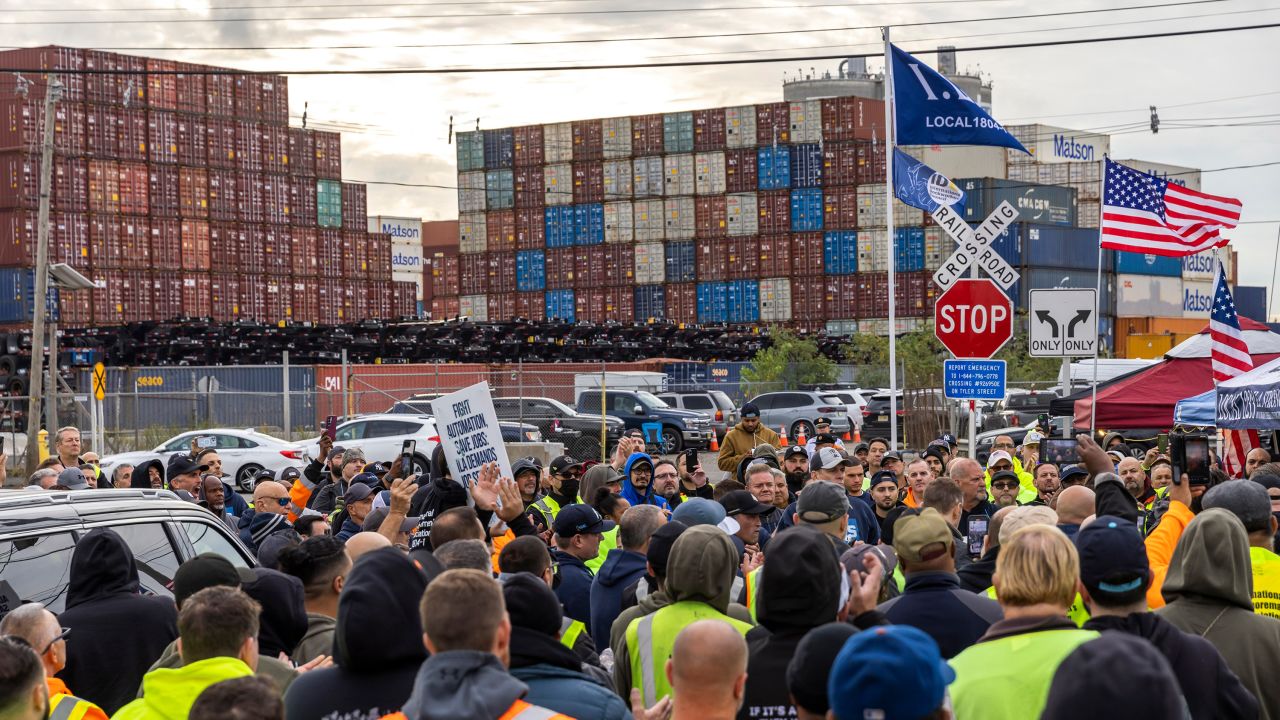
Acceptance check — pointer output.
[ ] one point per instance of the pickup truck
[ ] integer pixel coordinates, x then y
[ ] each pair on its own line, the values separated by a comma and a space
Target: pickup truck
675, 429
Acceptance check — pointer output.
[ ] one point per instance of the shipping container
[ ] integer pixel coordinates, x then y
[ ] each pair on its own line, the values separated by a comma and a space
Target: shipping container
955, 161
619, 265
806, 209
101, 131
531, 306
650, 302
775, 255
710, 219
617, 179
328, 155
740, 126
105, 87
840, 252
840, 208
500, 231
528, 151
471, 192
18, 296
742, 214
560, 305
193, 140
445, 307
20, 182
713, 302
470, 151
193, 192
220, 143
302, 152
678, 175
305, 262
709, 173
809, 300
224, 202
650, 263
162, 190
1054, 246
68, 238
1048, 144
302, 202
619, 222
253, 209
1043, 278
774, 209
680, 218
681, 262
499, 192
848, 296
773, 124
713, 259
559, 226
806, 121
806, 165
1197, 298
304, 302
21, 123
808, 253
275, 99
195, 245
709, 129
249, 153
743, 257
938, 246
473, 274
560, 264
103, 184
588, 181
1042, 204
682, 302
166, 245
649, 218
1141, 264
588, 267
502, 307
531, 232
558, 184
248, 95
472, 233
135, 242
871, 209
648, 177
529, 184
775, 300
498, 148
275, 149
647, 135
773, 167
852, 118
740, 171
588, 140
166, 295
677, 132
742, 301
557, 143
220, 95
588, 224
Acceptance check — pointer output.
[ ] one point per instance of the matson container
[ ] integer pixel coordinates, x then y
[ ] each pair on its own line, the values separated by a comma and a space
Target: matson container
775, 300
619, 222
740, 126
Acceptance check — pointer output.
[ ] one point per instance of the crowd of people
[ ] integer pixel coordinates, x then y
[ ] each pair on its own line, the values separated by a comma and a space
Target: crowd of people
833, 579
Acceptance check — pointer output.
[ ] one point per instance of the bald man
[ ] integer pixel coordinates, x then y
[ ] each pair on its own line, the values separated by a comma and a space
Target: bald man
270, 496
365, 542
40, 628
1256, 458
1074, 505
1135, 481
707, 671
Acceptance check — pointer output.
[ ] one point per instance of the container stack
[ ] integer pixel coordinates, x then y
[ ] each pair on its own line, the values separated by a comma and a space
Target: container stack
183, 192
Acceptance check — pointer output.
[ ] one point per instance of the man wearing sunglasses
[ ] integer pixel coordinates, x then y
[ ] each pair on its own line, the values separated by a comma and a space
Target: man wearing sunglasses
40, 629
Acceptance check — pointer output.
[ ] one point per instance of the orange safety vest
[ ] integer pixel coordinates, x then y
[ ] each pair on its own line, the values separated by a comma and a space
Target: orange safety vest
65, 706
519, 710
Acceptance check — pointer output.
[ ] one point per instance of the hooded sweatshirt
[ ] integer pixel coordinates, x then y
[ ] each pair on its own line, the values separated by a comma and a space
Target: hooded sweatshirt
258, 526
799, 590
630, 492
169, 693
620, 569
701, 568
377, 648
1209, 593
283, 620
433, 498
140, 478
462, 685
118, 632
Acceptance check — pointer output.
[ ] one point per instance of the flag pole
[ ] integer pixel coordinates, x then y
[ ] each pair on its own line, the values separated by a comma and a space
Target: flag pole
1097, 300
892, 245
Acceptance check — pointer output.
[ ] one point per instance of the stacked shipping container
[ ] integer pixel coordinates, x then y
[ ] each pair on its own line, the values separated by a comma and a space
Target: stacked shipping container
182, 190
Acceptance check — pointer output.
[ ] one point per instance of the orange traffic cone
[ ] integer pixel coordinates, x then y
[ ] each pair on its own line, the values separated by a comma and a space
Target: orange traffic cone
715, 444
846, 437
782, 436
857, 436
800, 438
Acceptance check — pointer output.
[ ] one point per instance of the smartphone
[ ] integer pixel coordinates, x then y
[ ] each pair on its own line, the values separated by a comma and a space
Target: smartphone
204, 442
1162, 443
1190, 455
690, 460
1059, 451
977, 533
331, 427
1043, 421
407, 452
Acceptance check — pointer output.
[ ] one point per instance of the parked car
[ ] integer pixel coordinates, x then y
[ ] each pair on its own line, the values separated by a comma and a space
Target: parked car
715, 405
675, 429
855, 404
954, 414
244, 453
1022, 407
985, 441
579, 432
39, 532
381, 437
796, 410
511, 431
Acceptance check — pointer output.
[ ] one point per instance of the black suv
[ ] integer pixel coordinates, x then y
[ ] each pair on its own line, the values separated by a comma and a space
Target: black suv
578, 431
39, 531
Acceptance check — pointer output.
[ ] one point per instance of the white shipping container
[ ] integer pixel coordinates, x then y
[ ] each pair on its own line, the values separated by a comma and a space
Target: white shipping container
617, 137
617, 180
961, 161
651, 264
679, 212
471, 192
775, 300
1083, 172
475, 307
677, 170
557, 143
709, 173
558, 189
1087, 213
873, 250
1028, 172
1197, 299
471, 233
1054, 173
1049, 144
806, 121
1201, 266
875, 326
842, 327
619, 222
650, 220
1148, 296
740, 126
1087, 191
743, 214
938, 246
646, 176
871, 209
401, 229
1185, 176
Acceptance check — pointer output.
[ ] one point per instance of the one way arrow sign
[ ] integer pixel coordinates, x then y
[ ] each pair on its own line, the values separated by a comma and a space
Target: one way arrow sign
1064, 323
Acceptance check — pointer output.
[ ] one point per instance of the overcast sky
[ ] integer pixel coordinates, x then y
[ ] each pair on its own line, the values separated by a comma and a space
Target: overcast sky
398, 125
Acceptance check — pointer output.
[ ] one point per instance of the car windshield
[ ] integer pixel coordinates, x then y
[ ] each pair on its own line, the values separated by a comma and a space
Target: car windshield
650, 399
1027, 400
723, 401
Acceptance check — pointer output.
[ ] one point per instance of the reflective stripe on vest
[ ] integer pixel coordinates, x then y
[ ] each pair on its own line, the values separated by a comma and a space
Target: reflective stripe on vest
570, 631
650, 639
548, 507
521, 710
68, 707
753, 588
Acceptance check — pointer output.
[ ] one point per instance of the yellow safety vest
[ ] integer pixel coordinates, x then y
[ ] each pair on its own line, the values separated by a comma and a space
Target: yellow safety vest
1078, 613
608, 541
570, 631
752, 582
548, 507
70, 707
651, 638
1266, 582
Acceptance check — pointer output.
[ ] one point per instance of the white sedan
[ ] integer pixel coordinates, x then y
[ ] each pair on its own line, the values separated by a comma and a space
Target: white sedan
381, 437
244, 453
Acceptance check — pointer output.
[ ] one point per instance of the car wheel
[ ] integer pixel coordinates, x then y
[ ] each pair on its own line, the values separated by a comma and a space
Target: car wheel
244, 476
671, 441
802, 425
421, 467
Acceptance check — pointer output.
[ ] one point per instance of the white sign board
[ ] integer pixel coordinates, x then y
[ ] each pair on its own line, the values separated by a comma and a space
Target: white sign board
975, 246
470, 433
1064, 323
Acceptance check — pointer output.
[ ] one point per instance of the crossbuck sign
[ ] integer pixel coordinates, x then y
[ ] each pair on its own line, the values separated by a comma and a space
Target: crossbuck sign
975, 246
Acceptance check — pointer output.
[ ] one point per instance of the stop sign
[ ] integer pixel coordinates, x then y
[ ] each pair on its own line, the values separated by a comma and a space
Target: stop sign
973, 318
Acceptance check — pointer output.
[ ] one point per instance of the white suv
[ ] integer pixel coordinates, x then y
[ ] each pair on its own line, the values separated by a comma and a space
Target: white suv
381, 437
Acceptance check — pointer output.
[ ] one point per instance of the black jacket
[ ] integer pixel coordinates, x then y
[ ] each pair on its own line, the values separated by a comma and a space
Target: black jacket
140, 478
117, 633
1208, 685
441, 493
976, 576
935, 603
574, 589
283, 620
377, 647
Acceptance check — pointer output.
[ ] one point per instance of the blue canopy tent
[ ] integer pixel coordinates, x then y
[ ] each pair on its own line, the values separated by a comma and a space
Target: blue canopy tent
1246, 402
1200, 410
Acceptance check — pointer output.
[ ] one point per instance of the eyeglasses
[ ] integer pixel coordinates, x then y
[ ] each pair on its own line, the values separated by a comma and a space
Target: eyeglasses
1004, 446
61, 636
1004, 485
665, 476
1001, 468
281, 501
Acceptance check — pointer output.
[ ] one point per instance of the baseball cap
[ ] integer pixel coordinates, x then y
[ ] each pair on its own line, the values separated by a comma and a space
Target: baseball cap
882, 476
892, 455
765, 451
579, 519
794, 450
827, 459
376, 468
366, 478
525, 464
807, 672
1116, 455
1005, 475
182, 464
949, 439
861, 447
855, 558
750, 410
915, 531
935, 451
866, 677
288, 475
1073, 471
1246, 500
374, 519
1113, 559
741, 502
1098, 677
824, 439
74, 479
661, 541
1026, 516
997, 456
699, 511
207, 570
335, 452
1032, 438
563, 464
822, 501
356, 492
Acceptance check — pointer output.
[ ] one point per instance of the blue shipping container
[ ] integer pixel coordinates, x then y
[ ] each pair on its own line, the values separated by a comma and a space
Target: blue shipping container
685, 375
499, 190
1066, 247
499, 148
806, 210
588, 224
840, 252
1008, 244
560, 305
17, 296
681, 262
1140, 264
1043, 204
1251, 301
1040, 278
742, 301
806, 165
531, 270
559, 226
651, 302
677, 132
713, 301
773, 168
908, 249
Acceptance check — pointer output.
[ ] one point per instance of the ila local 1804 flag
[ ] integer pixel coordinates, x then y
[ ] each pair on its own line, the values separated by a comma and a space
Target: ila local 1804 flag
920, 186
1142, 213
931, 110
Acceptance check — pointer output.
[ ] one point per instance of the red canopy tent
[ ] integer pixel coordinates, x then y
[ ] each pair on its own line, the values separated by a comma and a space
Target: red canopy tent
1146, 399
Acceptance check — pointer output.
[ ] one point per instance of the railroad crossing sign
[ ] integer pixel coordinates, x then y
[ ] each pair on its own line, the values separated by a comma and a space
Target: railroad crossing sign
973, 319
1063, 322
99, 381
975, 246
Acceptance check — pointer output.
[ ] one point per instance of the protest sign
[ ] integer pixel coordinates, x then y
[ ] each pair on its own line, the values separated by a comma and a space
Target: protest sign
470, 433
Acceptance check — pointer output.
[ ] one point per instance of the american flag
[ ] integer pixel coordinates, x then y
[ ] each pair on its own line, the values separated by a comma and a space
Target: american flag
1230, 358
1142, 213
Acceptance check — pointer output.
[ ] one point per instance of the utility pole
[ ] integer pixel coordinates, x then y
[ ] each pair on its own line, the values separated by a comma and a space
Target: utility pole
40, 303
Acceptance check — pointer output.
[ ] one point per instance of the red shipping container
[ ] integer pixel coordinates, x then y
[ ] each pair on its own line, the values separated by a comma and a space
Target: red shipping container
195, 245
744, 258
647, 135
329, 295
248, 146
447, 280
531, 306
808, 299
137, 298
852, 118
275, 99
302, 152
560, 267
193, 192
388, 300
364, 242
302, 202
355, 207
249, 97
380, 260
277, 295
277, 249
620, 304
224, 297
104, 186
588, 182
135, 188
502, 270
619, 264
589, 266
740, 170
329, 253
444, 307
773, 123
221, 143
252, 253
529, 151
713, 259
807, 254
101, 131
68, 238
875, 287
75, 308
133, 137
190, 88
166, 243
253, 304
252, 208
304, 262
108, 298
588, 140
589, 304
530, 187
224, 202
275, 199
775, 256
500, 230
20, 182
166, 296
275, 148
162, 84
220, 95
840, 208
774, 207
840, 164
305, 301
351, 240
346, 301
708, 129
473, 274
502, 307
224, 246
328, 155
162, 190
193, 140
711, 217
682, 302
104, 87
870, 163
531, 228
104, 242
49, 58
22, 121
844, 296
196, 301
135, 241
162, 137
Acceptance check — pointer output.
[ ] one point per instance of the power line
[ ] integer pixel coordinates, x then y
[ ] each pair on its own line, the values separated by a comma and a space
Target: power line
1145, 109
455, 3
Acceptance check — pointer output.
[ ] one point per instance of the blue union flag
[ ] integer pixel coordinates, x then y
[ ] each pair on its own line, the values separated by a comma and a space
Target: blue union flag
931, 110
